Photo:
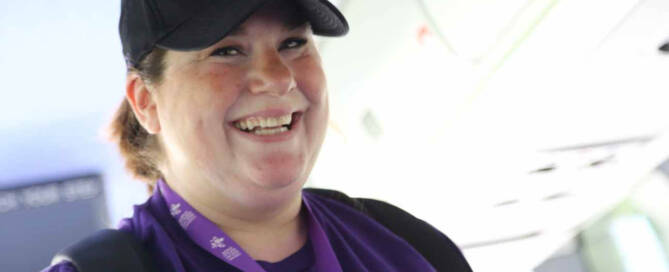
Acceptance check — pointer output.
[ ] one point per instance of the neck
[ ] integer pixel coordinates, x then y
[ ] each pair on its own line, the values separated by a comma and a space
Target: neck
253, 226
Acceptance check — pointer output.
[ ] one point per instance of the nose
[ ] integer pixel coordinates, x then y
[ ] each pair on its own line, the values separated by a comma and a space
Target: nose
270, 75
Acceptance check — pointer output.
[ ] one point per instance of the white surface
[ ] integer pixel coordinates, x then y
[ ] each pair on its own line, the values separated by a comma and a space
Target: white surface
638, 243
589, 193
461, 132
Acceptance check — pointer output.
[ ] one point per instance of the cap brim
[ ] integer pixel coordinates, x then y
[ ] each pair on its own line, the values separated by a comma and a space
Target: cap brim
216, 21
325, 18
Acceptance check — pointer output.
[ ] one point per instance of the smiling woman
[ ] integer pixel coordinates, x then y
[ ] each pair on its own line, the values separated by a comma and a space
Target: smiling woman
225, 115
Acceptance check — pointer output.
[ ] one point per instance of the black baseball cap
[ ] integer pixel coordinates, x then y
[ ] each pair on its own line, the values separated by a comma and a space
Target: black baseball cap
197, 24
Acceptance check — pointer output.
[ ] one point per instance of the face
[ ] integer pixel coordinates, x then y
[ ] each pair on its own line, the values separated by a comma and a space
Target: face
245, 117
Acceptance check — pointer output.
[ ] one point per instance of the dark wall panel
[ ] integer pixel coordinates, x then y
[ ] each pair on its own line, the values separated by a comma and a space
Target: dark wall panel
37, 220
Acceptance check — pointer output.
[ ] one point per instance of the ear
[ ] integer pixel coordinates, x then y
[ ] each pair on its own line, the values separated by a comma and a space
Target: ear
143, 102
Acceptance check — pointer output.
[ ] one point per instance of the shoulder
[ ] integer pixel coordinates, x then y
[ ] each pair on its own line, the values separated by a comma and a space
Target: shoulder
127, 244
386, 214
132, 225
107, 242
64, 266
383, 212
380, 211
435, 246
148, 221
142, 216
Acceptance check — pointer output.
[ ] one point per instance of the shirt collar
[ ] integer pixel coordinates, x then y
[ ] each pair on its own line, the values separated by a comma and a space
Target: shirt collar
211, 238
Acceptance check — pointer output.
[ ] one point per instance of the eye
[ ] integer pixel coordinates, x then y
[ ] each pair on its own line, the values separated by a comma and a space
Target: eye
228, 51
292, 43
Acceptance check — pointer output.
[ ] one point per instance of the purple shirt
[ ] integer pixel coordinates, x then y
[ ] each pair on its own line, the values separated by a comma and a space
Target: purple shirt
358, 242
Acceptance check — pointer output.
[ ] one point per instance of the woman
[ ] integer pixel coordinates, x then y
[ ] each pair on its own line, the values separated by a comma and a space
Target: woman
225, 114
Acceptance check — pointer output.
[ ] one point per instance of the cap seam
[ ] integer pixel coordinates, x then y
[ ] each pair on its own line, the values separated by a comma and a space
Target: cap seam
156, 13
162, 36
202, 9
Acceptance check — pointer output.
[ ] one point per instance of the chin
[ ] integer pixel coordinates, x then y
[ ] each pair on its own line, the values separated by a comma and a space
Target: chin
275, 188
274, 179
280, 172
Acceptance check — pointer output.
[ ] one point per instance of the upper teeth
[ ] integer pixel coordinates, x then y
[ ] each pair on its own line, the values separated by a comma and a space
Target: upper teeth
263, 122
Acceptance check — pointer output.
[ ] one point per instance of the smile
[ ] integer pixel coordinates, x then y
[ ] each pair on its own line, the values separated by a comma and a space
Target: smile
267, 125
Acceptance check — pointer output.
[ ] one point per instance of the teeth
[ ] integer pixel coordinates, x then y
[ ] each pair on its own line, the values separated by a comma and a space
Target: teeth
250, 124
272, 122
286, 119
263, 122
269, 131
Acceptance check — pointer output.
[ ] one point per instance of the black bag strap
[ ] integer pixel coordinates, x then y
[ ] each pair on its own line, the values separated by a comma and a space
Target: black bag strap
436, 247
107, 250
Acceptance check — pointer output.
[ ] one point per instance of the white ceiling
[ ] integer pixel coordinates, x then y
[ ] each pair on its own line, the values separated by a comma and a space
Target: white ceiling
554, 66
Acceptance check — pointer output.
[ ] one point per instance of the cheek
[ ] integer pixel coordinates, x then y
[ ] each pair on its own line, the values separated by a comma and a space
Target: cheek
311, 80
312, 83
225, 83
209, 94
197, 100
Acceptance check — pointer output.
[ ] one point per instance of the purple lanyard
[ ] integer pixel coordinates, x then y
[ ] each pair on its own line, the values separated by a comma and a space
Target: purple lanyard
211, 238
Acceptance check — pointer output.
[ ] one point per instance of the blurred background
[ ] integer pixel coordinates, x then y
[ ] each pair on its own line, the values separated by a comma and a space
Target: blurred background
532, 132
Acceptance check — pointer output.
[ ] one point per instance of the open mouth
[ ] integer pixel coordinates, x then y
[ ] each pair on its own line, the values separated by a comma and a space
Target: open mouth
263, 126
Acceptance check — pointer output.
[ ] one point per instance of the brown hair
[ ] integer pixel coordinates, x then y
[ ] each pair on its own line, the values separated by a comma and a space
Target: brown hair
140, 149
